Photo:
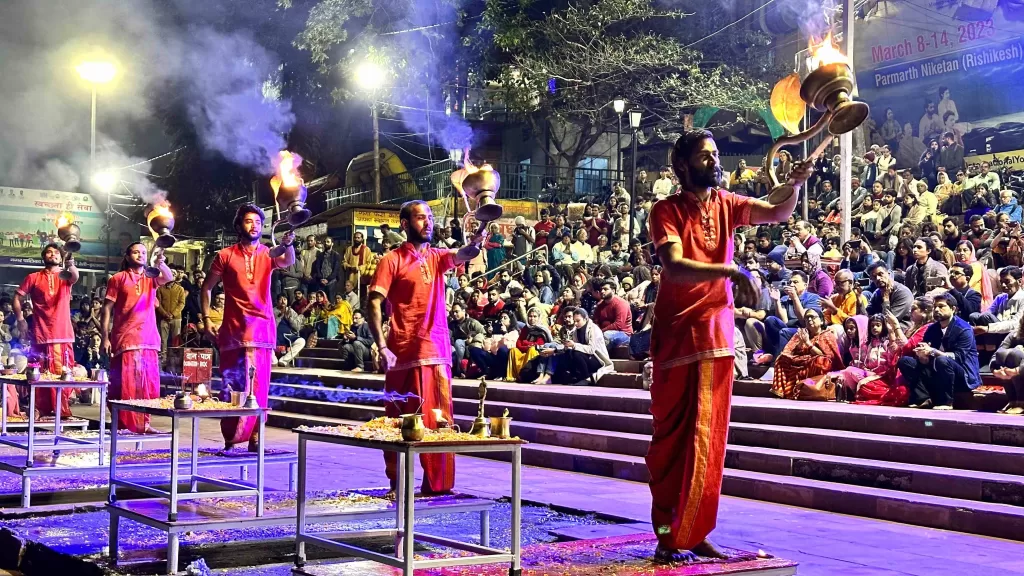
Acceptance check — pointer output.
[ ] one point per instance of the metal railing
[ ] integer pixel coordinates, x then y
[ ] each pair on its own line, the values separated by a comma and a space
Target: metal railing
508, 263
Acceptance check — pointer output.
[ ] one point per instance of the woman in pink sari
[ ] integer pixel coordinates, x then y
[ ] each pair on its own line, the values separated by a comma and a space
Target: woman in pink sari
980, 280
871, 358
889, 389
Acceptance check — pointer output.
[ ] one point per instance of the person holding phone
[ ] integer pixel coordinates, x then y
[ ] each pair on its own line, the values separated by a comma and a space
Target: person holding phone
925, 274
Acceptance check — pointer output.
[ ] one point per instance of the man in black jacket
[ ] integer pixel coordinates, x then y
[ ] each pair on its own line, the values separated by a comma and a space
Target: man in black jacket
944, 362
327, 269
356, 344
968, 300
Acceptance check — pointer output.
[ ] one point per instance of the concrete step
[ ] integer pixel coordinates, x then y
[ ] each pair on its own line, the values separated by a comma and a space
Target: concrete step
327, 351
547, 415
989, 519
982, 402
344, 411
922, 451
570, 437
318, 352
289, 420
931, 480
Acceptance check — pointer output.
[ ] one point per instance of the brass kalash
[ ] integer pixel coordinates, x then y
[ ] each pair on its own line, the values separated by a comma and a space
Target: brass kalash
289, 196
828, 89
161, 223
479, 184
70, 234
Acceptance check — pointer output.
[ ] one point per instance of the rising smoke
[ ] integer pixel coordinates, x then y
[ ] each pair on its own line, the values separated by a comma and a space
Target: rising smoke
223, 77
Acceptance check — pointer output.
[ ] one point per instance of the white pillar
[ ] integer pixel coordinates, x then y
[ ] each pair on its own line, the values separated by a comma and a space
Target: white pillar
846, 140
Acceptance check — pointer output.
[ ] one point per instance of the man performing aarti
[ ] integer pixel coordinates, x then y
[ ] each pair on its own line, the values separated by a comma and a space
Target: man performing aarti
52, 335
248, 335
133, 342
417, 354
692, 341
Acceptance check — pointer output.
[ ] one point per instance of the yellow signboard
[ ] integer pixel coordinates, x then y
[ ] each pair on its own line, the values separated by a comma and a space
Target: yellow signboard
999, 160
362, 217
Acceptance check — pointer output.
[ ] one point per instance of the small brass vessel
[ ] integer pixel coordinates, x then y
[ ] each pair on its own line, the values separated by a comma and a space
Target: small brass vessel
501, 427
481, 428
412, 427
182, 401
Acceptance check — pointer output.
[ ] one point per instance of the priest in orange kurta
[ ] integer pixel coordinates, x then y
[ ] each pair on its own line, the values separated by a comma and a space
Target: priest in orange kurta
692, 341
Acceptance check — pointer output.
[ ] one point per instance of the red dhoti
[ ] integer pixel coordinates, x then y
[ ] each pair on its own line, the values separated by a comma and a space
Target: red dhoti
135, 375
432, 384
690, 405
53, 358
235, 365
12, 401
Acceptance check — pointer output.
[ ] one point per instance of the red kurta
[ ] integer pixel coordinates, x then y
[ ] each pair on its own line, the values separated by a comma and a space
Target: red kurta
52, 334
248, 336
692, 349
134, 343
413, 284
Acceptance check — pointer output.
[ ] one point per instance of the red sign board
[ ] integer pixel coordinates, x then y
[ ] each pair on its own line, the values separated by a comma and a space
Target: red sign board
197, 366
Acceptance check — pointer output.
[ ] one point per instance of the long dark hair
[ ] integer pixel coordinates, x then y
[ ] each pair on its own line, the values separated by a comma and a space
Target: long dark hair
124, 259
907, 243
880, 318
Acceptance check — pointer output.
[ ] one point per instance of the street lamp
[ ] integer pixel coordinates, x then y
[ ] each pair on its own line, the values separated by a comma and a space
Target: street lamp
370, 77
620, 105
634, 122
95, 72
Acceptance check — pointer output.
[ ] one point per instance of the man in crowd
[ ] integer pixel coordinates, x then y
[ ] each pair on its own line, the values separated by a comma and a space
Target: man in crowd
357, 261
890, 297
805, 241
248, 336
612, 315
417, 352
951, 157
925, 274
691, 342
945, 362
989, 179
52, 334
170, 302
289, 322
968, 300
790, 307
1003, 316
542, 228
663, 185
327, 269
306, 258
356, 344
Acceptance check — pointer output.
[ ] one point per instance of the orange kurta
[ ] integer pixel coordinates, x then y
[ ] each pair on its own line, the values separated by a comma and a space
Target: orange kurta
692, 349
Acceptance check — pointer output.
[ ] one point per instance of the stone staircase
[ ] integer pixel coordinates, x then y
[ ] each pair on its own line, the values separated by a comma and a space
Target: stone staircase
959, 470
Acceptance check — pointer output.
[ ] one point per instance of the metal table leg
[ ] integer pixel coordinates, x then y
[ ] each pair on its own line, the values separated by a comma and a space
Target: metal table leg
399, 495
115, 524
57, 428
291, 476
485, 527
112, 496
31, 427
103, 419
517, 459
3, 413
172, 553
26, 491
172, 515
300, 506
194, 469
410, 503
259, 465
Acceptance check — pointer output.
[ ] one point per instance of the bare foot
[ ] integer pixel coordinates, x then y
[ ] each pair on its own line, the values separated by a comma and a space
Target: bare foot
357, 369
390, 494
708, 549
543, 380
764, 359
663, 555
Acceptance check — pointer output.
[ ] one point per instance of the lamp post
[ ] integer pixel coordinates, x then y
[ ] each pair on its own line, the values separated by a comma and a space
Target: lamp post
634, 122
370, 77
620, 106
97, 72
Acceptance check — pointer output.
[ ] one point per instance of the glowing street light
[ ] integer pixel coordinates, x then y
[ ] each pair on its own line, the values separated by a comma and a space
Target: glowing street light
369, 76
105, 181
619, 105
97, 72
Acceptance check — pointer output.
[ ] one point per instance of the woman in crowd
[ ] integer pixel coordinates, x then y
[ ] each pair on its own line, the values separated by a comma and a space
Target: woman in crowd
914, 212
339, 318
531, 361
568, 299
495, 248
818, 281
903, 255
980, 281
891, 390
812, 352
871, 358
492, 357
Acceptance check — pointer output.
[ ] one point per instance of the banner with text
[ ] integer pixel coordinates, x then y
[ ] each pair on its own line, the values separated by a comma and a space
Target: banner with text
943, 66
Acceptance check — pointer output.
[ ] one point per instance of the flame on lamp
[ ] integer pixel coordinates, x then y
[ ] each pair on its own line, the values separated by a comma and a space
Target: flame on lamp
824, 53
64, 219
161, 223
163, 210
287, 175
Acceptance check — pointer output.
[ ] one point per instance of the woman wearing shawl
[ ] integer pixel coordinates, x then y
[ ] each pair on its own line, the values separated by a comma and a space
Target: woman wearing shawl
495, 248
492, 357
871, 354
980, 281
818, 281
891, 390
525, 365
339, 318
812, 352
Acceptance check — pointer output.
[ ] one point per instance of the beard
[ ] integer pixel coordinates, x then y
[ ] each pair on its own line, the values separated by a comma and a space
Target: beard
420, 236
51, 262
705, 178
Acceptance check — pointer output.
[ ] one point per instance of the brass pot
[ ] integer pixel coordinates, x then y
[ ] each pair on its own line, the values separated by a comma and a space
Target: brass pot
162, 224
501, 427
828, 88
292, 200
412, 427
33, 374
70, 235
182, 401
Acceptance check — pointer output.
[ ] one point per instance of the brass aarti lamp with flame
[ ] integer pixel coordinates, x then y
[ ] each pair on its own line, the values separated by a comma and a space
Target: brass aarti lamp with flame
289, 195
160, 220
828, 88
70, 234
479, 184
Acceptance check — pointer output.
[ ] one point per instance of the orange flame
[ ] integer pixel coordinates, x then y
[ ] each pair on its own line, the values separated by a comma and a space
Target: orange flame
161, 209
64, 219
287, 171
825, 52
468, 168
